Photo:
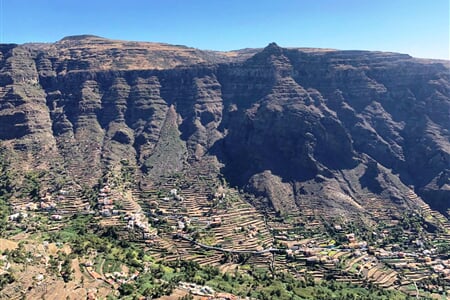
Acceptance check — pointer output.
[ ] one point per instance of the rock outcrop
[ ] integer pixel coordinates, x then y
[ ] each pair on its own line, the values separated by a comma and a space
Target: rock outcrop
294, 126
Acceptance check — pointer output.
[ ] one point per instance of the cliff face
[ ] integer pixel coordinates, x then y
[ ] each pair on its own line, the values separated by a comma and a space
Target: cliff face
297, 126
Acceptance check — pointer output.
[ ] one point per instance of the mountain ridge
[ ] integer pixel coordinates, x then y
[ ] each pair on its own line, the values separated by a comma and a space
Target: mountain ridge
298, 118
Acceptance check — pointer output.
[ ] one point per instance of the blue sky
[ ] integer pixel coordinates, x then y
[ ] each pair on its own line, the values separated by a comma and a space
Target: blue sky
417, 27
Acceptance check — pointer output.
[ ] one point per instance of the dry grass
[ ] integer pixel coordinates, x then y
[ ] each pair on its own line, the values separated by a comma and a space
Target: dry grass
104, 54
7, 245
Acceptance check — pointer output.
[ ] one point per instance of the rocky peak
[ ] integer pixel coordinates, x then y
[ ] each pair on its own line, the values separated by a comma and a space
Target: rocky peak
273, 49
272, 58
269, 53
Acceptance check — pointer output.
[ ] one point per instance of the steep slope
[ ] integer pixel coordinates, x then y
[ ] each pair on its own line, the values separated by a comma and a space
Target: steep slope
323, 128
326, 112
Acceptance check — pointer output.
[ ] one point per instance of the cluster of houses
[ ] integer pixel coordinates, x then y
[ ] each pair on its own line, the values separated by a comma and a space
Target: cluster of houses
443, 267
182, 223
120, 277
310, 255
174, 194
250, 230
49, 203
199, 290
418, 258
134, 220
18, 216
46, 203
414, 260
105, 202
207, 293
139, 221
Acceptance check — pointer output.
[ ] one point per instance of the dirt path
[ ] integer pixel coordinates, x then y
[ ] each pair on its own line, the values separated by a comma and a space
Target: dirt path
101, 268
77, 274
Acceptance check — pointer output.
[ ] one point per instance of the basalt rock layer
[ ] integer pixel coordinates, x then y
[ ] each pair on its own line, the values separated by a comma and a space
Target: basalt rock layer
296, 126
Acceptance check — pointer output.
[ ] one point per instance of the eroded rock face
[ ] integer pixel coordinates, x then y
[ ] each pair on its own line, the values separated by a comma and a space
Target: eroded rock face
293, 125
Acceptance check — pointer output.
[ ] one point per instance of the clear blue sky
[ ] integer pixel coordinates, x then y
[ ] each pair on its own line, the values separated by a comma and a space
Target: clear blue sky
417, 27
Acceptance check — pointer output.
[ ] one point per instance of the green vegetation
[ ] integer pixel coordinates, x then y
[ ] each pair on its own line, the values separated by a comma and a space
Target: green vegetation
168, 155
5, 279
31, 186
127, 171
157, 279
5, 191
108, 251
90, 194
111, 265
80, 235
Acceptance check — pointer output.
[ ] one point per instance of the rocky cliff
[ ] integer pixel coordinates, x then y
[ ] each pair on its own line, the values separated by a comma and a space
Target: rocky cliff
298, 127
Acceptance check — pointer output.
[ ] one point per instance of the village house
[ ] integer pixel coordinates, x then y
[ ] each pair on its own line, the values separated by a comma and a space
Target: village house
17, 216
105, 189
39, 277
47, 206
148, 235
130, 224
106, 212
351, 237
215, 222
56, 217
181, 225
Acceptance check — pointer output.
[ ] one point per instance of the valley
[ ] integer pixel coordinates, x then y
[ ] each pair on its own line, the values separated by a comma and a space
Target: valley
132, 169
